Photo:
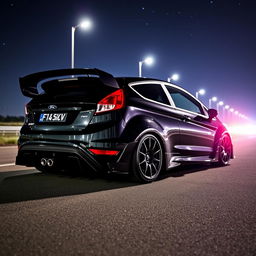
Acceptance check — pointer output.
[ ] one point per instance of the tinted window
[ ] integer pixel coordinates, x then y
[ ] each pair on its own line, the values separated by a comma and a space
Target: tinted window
152, 91
184, 101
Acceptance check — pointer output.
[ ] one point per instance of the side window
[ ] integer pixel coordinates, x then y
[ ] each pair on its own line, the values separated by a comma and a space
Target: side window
184, 101
152, 91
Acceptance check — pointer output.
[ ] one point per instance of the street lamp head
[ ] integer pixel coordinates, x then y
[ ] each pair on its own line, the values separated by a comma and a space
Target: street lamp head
175, 77
231, 110
86, 24
214, 99
227, 107
149, 60
221, 103
236, 112
201, 91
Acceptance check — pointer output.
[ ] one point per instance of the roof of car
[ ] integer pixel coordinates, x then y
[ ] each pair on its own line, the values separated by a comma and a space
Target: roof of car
136, 79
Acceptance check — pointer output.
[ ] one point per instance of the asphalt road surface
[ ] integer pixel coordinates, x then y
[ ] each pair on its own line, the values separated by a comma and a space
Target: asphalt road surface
191, 211
7, 155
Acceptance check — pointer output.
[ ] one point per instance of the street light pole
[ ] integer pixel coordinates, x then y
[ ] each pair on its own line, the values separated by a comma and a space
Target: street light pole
140, 68
174, 77
148, 61
232, 114
210, 101
225, 112
73, 46
86, 25
201, 92
220, 103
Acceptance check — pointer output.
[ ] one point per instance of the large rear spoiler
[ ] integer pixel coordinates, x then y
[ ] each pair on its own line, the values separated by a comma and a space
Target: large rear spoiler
29, 83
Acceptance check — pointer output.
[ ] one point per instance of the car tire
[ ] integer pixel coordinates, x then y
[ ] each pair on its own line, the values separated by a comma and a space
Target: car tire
148, 159
225, 150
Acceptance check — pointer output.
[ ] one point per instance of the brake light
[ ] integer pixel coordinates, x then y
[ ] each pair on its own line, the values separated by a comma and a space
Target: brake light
104, 152
113, 101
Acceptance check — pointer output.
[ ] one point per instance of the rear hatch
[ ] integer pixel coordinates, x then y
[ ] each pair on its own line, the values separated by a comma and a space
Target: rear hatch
67, 103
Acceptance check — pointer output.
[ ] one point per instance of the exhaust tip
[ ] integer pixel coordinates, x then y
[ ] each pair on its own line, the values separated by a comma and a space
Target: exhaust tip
43, 162
50, 162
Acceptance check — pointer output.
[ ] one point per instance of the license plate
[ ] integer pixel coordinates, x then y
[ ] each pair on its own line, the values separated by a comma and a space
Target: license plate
56, 117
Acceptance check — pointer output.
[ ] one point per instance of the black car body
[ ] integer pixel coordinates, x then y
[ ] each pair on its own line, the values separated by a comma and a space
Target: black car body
87, 119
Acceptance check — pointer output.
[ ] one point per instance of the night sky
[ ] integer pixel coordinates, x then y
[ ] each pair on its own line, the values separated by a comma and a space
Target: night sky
211, 44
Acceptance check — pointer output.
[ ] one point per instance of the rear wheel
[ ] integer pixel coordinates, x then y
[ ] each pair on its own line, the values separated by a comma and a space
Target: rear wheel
225, 150
148, 159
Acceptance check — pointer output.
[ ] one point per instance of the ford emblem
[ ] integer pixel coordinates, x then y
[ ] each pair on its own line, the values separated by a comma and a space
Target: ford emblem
52, 107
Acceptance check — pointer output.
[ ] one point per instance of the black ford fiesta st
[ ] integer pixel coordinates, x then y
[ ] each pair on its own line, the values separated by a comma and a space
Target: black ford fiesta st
89, 120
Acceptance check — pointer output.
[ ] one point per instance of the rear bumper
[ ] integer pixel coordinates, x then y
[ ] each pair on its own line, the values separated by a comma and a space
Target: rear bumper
66, 154
72, 156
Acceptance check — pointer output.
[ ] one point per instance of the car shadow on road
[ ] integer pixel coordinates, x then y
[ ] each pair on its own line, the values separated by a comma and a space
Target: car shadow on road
26, 185
31, 185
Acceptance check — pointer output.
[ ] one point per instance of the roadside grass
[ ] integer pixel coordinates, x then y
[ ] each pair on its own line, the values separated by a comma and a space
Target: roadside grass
11, 123
8, 140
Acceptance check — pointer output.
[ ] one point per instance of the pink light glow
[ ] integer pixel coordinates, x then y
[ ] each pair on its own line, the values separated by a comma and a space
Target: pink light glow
245, 129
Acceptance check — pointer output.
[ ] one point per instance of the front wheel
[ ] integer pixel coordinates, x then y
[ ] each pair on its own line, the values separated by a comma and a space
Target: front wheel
225, 150
148, 159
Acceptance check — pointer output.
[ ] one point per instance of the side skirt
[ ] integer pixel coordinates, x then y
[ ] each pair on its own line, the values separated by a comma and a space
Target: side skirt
194, 159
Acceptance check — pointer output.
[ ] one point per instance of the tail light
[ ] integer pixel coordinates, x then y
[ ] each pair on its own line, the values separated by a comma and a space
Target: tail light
26, 109
29, 118
103, 152
113, 101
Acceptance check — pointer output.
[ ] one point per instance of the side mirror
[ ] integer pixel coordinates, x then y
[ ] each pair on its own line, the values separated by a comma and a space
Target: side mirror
212, 113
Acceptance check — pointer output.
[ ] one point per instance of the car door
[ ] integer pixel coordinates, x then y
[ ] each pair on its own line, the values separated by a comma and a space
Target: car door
154, 104
196, 130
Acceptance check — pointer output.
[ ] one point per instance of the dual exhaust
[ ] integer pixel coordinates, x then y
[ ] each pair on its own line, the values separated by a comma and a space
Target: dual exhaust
47, 162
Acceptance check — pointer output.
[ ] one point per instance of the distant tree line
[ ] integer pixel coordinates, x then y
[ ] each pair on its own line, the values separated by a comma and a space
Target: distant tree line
11, 118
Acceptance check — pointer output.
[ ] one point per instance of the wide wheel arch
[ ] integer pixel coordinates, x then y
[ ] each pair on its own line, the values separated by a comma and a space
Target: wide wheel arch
143, 124
137, 125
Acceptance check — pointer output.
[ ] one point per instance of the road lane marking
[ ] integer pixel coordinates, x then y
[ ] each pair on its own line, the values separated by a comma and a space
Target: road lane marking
4, 165
5, 147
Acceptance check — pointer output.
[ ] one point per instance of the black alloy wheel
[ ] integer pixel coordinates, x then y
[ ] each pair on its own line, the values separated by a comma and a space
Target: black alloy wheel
148, 158
225, 150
